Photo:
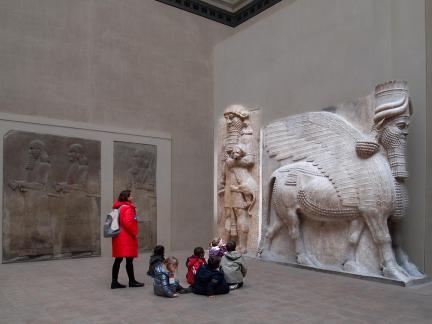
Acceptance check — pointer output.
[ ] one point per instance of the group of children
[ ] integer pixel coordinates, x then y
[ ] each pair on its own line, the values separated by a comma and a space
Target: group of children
223, 271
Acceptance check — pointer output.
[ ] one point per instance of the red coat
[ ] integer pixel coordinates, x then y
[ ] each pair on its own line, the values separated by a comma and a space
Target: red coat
126, 243
193, 263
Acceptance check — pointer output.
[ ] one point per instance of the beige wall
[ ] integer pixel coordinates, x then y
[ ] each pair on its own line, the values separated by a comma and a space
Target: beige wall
307, 54
131, 64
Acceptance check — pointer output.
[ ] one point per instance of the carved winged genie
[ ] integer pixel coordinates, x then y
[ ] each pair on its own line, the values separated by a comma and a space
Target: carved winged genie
330, 171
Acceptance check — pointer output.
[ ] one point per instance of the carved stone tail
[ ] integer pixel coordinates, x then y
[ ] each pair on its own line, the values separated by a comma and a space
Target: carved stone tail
251, 205
270, 199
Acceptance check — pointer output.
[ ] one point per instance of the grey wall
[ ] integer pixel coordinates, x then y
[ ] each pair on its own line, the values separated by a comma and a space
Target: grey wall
132, 64
306, 54
428, 223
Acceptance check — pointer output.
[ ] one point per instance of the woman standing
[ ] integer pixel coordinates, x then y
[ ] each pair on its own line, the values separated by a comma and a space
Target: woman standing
125, 244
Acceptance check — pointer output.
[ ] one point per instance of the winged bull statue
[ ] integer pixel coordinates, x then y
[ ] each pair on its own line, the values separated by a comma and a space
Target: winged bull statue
331, 172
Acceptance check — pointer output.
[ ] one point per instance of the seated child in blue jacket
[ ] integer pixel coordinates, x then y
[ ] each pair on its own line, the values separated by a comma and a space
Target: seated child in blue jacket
165, 283
209, 281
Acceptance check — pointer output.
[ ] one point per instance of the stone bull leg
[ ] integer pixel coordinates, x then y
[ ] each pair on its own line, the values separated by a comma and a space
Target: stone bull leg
292, 221
401, 257
355, 231
271, 232
287, 211
377, 224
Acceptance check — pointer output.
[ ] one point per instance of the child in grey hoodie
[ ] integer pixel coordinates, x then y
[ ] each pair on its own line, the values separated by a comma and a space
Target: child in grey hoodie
233, 266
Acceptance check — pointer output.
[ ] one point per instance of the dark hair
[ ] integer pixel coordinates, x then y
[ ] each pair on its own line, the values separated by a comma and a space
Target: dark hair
159, 250
124, 195
199, 252
231, 246
215, 242
214, 262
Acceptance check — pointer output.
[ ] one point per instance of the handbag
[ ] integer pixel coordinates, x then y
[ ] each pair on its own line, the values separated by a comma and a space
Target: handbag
112, 223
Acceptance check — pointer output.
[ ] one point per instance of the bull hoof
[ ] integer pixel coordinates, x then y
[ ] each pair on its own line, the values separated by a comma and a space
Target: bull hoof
354, 267
308, 260
265, 254
404, 261
412, 270
396, 272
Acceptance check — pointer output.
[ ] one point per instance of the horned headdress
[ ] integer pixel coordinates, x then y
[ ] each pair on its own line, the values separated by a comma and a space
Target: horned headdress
392, 99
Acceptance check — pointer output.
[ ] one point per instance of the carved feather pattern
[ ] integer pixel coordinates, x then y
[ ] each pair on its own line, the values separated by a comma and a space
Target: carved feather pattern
328, 142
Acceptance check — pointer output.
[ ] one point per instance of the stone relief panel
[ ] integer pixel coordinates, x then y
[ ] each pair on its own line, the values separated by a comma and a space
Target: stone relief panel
238, 177
135, 169
51, 197
334, 187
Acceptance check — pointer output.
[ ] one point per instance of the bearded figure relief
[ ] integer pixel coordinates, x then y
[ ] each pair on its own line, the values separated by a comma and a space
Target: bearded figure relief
74, 225
328, 171
238, 188
141, 174
51, 197
77, 174
30, 234
37, 168
141, 179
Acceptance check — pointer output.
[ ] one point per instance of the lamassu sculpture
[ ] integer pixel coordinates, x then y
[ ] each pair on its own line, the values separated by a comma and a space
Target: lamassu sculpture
332, 172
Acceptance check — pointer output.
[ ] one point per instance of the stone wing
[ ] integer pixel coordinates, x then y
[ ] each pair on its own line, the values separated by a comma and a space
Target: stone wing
325, 140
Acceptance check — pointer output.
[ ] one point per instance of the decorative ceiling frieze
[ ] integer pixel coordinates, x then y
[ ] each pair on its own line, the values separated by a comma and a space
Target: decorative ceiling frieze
227, 12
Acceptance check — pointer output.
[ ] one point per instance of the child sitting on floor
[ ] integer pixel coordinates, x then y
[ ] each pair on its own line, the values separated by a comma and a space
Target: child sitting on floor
217, 248
209, 281
165, 283
193, 263
157, 257
233, 266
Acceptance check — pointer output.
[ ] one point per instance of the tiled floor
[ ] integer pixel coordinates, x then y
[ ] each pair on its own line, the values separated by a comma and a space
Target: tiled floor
77, 291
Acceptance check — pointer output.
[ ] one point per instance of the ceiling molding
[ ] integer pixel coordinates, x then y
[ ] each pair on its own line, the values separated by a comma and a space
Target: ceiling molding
229, 5
248, 10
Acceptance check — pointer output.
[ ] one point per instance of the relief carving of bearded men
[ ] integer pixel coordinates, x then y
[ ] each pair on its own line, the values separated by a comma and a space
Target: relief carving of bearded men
237, 185
139, 176
37, 168
30, 224
141, 180
77, 174
74, 230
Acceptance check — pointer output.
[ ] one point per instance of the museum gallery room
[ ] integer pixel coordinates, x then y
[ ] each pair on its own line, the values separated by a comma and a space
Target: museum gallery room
216, 161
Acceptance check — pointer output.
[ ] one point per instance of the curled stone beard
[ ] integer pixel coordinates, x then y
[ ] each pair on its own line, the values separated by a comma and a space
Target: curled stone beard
31, 163
233, 135
401, 203
397, 159
396, 148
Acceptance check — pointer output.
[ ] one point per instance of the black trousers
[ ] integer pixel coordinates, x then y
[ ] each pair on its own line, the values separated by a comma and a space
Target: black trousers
129, 269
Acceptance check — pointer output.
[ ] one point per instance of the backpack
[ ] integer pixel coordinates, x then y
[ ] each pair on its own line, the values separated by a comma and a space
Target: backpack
112, 223
193, 269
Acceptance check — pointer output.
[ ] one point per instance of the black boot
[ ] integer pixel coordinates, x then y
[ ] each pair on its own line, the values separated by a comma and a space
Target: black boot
115, 271
182, 290
136, 284
116, 284
131, 275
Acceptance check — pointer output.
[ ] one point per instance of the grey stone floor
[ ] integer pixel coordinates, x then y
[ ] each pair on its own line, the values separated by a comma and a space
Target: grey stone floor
77, 291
